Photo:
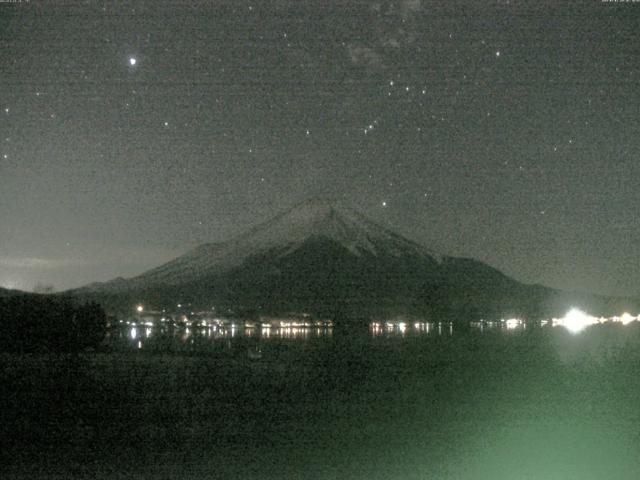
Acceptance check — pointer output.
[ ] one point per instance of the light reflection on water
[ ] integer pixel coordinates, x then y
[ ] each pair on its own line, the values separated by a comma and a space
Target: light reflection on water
402, 329
176, 335
168, 336
228, 333
224, 334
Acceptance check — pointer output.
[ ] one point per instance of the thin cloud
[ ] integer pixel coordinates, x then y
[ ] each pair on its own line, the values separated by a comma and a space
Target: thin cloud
364, 56
35, 262
408, 8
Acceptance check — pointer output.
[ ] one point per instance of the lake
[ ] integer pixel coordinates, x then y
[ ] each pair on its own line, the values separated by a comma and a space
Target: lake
412, 401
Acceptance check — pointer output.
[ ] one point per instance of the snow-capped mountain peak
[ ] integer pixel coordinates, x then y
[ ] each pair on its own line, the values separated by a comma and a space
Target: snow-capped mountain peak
283, 234
331, 220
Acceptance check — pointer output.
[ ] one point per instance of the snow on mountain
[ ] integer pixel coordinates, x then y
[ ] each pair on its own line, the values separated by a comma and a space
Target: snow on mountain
333, 221
282, 235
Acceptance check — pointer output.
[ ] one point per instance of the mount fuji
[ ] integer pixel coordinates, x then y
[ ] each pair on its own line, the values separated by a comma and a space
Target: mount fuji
324, 258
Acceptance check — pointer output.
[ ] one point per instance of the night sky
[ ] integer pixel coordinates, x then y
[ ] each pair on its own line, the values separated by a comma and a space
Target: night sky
507, 131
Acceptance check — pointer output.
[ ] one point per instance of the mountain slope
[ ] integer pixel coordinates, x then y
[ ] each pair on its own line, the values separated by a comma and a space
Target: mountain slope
279, 236
5, 293
324, 258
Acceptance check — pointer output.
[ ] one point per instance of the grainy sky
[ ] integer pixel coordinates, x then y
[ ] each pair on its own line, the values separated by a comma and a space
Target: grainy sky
504, 130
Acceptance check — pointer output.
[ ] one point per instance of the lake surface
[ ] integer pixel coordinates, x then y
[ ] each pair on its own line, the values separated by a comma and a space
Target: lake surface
432, 401
238, 334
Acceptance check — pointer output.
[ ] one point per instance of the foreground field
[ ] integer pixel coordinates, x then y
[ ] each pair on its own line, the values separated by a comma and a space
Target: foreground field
540, 404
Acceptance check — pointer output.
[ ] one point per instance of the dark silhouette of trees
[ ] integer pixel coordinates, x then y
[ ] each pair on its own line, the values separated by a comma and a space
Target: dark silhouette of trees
34, 323
43, 288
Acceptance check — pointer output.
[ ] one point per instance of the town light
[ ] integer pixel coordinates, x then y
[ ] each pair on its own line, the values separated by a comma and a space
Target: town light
576, 320
627, 318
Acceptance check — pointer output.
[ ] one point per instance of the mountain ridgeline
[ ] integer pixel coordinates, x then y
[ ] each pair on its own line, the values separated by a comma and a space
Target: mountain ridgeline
328, 260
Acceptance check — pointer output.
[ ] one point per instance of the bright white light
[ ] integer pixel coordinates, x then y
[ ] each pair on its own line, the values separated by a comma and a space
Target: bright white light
626, 318
139, 308
134, 333
513, 323
132, 61
576, 320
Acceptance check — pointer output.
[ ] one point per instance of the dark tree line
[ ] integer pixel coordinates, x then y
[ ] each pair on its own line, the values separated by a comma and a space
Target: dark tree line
34, 323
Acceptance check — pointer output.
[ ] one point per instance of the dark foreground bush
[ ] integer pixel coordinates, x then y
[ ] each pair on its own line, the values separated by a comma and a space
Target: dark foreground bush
38, 323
